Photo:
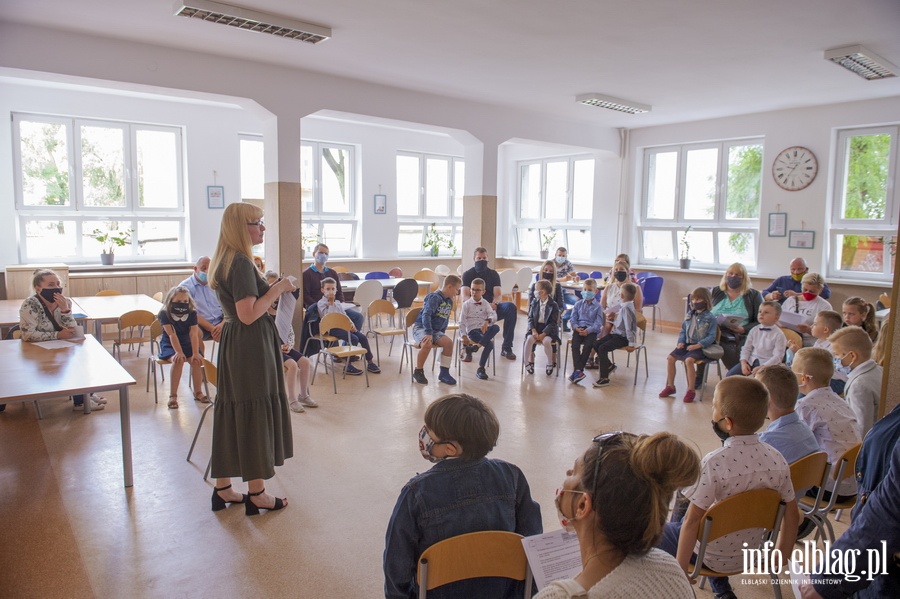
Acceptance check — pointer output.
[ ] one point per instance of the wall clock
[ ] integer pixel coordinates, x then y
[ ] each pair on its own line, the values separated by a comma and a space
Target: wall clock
795, 168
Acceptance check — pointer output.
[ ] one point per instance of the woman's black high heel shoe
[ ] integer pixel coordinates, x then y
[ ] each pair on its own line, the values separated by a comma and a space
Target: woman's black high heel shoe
251, 509
220, 504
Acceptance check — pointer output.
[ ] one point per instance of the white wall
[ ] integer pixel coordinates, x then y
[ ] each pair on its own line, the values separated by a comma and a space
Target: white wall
813, 127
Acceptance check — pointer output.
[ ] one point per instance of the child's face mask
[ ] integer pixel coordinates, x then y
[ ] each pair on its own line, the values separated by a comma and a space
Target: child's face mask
588, 295
426, 443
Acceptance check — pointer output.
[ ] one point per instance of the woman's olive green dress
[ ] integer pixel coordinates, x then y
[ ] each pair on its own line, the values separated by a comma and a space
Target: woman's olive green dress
252, 424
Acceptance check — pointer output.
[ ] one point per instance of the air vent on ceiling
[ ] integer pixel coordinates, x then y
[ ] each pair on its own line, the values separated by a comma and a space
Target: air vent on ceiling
613, 103
861, 61
252, 20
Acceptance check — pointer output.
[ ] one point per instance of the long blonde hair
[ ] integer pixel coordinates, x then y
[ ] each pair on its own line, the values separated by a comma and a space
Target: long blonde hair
234, 238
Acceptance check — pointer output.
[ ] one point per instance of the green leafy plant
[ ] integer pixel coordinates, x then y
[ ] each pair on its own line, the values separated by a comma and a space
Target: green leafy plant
110, 240
547, 239
685, 244
435, 240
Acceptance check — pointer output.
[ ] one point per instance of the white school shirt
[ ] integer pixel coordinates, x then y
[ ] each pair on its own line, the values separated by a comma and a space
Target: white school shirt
473, 315
835, 428
766, 344
744, 463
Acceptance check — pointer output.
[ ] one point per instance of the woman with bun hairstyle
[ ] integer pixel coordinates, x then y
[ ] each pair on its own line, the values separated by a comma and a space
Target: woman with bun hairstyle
616, 499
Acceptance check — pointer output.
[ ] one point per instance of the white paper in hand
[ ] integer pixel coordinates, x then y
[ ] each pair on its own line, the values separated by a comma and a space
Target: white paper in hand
553, 556
285, 313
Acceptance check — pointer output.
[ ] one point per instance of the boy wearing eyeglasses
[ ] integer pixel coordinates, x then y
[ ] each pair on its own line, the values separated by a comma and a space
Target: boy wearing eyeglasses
463, 492
743, 463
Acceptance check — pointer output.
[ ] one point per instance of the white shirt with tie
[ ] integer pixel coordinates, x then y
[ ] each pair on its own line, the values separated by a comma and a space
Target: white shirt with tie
474, 314
766, 344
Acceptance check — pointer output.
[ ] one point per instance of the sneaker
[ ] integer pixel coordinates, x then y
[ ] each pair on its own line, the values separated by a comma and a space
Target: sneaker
445, 378
601, 382
578, 376
480, 373
591, 365
296, 406
669, 391
466, 355
473, 349
529, 368
373, 368
806, 527
98, 399
549, 369
94, 406
689, 396
307, 401
612, 368
353, 370
726, 595
419, 376
508, 354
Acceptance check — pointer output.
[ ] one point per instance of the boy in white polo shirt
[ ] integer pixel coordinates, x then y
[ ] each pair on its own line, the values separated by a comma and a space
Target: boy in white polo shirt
476, 324
765, 344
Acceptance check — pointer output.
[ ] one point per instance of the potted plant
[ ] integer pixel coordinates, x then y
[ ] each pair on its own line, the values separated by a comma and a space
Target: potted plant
685, 245
307, 242
546, 241
435, 240
110, 240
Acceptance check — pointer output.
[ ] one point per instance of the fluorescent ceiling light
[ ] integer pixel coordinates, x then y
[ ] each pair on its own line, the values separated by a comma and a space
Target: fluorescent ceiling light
252, 20
613, 103
861, 61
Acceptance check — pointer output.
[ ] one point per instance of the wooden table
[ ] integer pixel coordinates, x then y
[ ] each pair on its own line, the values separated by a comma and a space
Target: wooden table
9, 312
30, 372
106, 309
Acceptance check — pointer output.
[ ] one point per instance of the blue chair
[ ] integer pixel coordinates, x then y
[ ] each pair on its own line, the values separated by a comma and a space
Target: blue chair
583, 275
597, 275
377, 275
652, 289
645, 275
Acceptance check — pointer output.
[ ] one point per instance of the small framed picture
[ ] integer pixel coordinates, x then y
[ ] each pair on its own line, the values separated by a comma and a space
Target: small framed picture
802, 239
380, 204
215, 196
778, 224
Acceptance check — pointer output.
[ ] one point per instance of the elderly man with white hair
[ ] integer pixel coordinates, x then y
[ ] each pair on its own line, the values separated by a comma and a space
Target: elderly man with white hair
789, 285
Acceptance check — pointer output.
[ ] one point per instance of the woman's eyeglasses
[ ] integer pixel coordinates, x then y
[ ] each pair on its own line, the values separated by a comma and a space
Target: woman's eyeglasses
601, 441
258, 223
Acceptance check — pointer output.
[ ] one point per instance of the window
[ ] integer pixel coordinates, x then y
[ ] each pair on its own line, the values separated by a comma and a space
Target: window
556, 202
864, 225
327, 195
253, 168
705, 196
73, 176
429, 192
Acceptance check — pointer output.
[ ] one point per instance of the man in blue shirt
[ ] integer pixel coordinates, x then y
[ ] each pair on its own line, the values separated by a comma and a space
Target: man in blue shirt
209, 312
789, 285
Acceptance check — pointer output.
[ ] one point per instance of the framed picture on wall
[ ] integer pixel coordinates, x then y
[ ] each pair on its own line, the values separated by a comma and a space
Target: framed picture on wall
215, 196
802, 239
380, 204
778, 224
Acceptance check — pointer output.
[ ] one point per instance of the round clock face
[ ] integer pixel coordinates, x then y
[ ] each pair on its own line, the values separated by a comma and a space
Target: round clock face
795, 168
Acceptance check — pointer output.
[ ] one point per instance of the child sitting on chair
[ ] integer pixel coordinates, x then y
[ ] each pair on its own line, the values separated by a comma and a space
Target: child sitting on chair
852, 348
698, 331
329, 304
622, 334
430, 328
463, 492
181, 341
543, 324
765, 344
476, 325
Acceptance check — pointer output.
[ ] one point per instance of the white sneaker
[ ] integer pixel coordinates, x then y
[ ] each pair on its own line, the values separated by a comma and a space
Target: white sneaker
94, 406
308, 401
98, 399
296, 407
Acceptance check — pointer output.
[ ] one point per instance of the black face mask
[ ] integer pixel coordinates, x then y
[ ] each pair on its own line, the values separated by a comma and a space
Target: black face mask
480, 265
48, 294
719, 432
734, 282
547, 276
180, 307
621, 275
698, 305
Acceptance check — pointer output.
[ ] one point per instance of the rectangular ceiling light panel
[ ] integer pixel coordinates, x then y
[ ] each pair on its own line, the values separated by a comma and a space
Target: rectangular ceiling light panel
252, 20
612, 103
862, 61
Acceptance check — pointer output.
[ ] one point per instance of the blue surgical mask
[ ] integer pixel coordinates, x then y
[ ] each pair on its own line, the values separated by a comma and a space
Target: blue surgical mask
201, 276
588, 295
560, 259
321, 258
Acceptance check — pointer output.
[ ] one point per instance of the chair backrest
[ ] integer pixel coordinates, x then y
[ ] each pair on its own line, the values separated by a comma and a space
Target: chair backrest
158, 296
381, 306
156, 329
347, 276
474, 555
411, 316
524, 278
338, 269
428, 275
136, 318
212, 373
442, 269
377, 275
596, 275
792, 336
508, 280
405, 292
651, 287
367, 292
396, 272
885, 300
108, 292
645, 275
810, 471
846, 466
335, 320
583, 275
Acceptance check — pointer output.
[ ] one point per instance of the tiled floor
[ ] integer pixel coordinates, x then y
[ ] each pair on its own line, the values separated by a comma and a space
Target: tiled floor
70, 529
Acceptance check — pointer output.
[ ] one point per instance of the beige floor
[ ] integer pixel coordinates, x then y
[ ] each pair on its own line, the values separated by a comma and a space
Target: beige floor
70, 529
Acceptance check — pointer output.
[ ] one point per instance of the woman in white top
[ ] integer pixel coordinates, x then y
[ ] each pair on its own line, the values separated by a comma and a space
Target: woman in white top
808, 303
616, 499
612, 294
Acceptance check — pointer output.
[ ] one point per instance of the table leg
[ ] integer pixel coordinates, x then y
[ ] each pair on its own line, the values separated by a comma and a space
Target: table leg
125, 417
98, 330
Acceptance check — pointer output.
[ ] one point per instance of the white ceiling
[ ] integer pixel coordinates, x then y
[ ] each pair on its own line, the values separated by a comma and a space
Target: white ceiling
689, 59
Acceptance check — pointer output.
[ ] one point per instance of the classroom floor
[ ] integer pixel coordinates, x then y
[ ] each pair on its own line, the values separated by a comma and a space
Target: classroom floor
70, 529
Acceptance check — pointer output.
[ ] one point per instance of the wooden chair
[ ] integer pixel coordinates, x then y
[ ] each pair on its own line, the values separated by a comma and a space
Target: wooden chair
759, 508
474, 555
134, 327
16, 333
816, 509
638, 349
806, 473
154, 360
706, 363
107, 292
396, 272
885, 299
792, 336
378, 309
342, 322
409, 344
211, 375
158, 296
428, 276
338, 269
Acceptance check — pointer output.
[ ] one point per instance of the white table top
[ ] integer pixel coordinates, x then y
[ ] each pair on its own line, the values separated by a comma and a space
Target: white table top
111, 307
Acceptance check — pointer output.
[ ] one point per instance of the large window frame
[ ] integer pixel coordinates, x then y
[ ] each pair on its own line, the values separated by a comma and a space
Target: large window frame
78, 217
321, 220
715, 242
879, 235
433, 198
555, 199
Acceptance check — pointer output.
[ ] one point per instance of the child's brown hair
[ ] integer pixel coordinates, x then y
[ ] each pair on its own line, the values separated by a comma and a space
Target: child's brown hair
466, 420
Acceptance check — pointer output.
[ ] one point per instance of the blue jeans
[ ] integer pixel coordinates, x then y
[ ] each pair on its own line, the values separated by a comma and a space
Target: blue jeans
669, 544
486, 340
508, 313
356, 317
736, 369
